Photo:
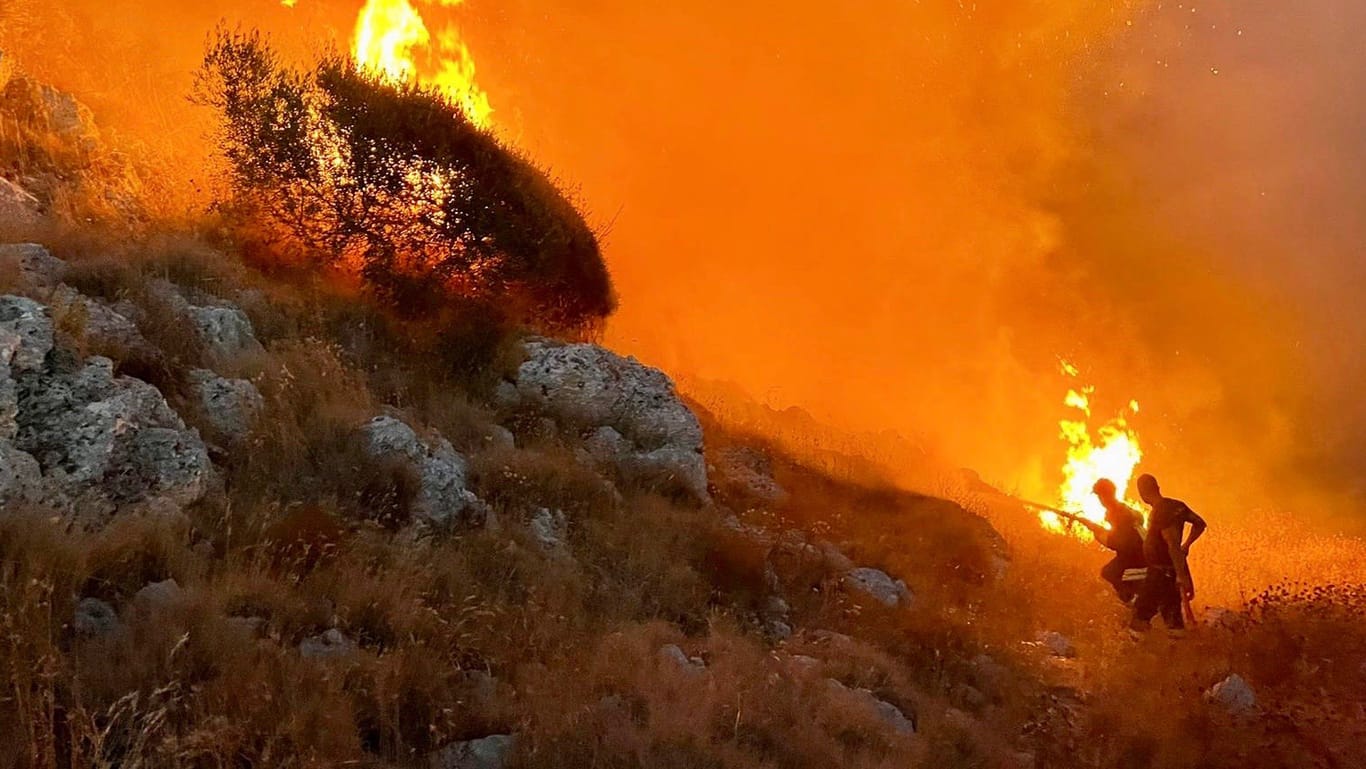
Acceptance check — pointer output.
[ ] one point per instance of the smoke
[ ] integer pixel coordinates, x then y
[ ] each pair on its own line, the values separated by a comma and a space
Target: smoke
901, 215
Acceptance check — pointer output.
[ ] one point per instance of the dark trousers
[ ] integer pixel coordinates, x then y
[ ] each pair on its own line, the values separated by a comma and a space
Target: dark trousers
1113, 572
1160, 594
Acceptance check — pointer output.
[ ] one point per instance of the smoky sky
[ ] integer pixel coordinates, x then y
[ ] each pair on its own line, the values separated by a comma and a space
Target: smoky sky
900, 216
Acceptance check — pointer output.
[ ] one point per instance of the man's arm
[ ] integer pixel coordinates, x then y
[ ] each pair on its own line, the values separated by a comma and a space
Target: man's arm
1198, 527
1101, 533
1172, 534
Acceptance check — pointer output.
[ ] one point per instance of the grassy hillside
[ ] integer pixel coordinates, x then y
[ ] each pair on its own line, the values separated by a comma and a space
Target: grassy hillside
315, 622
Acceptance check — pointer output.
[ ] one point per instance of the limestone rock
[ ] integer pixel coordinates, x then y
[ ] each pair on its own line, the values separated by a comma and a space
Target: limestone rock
889, 714
105, 442
880, 586
487, 753
1234, 694
550, 529
443, 498
21, 479
99, 324
673, 655
25, 334
35, 265
225, 331
655, 438
45, 109
749, 472
230, 406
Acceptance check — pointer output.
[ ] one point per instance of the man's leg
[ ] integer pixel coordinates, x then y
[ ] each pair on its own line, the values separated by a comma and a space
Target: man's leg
1173, 615
1113, 572
1149, 601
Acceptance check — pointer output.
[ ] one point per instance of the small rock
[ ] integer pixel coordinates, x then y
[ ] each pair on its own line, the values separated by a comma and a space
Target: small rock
225, 331
158, 596
230, 406
835, 559
890, 714
500, 438
329, 645
675, 656
486, 753
587, 387
1024, 760
550, 529
803, 665
1057, 644
989, 676
94, 618
880, 586
443, 497
749, 472
776, 608
778, 630
1234, 694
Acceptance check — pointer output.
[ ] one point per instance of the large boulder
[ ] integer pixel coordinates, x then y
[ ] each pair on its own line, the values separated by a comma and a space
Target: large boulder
631, 412
106, 443
46, 110
443, 497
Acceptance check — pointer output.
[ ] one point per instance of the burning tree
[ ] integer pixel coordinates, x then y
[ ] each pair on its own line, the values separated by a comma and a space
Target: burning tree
391, 180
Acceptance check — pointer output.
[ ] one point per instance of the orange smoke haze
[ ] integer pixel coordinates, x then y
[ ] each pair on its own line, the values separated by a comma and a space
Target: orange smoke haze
901, 215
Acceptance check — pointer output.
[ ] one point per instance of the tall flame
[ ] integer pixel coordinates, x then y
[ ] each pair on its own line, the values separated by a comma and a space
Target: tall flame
392, 40
1110, 451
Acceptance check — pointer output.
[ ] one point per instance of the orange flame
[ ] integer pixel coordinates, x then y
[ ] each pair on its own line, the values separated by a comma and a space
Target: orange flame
1112, 452
390, 35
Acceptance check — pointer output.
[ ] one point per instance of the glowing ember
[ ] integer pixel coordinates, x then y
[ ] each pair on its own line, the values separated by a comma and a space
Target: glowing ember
1111, 451
390, 35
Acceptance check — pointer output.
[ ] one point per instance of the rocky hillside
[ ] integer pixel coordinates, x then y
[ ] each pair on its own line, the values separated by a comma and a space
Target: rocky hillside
253, 519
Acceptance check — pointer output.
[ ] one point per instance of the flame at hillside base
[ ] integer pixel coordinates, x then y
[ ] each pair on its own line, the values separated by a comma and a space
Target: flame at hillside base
1112, 453
389, 36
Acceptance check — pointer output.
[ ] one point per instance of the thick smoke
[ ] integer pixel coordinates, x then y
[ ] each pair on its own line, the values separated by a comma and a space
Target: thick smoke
901, 215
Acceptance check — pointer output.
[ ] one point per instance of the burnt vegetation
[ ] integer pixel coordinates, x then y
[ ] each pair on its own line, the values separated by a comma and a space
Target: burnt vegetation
392, 181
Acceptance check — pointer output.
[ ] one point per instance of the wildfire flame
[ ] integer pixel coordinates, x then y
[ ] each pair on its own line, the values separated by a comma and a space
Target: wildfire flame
1110, 451
392, 40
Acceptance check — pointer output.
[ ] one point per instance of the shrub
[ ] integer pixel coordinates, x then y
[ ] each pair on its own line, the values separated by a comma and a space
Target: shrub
394, 183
